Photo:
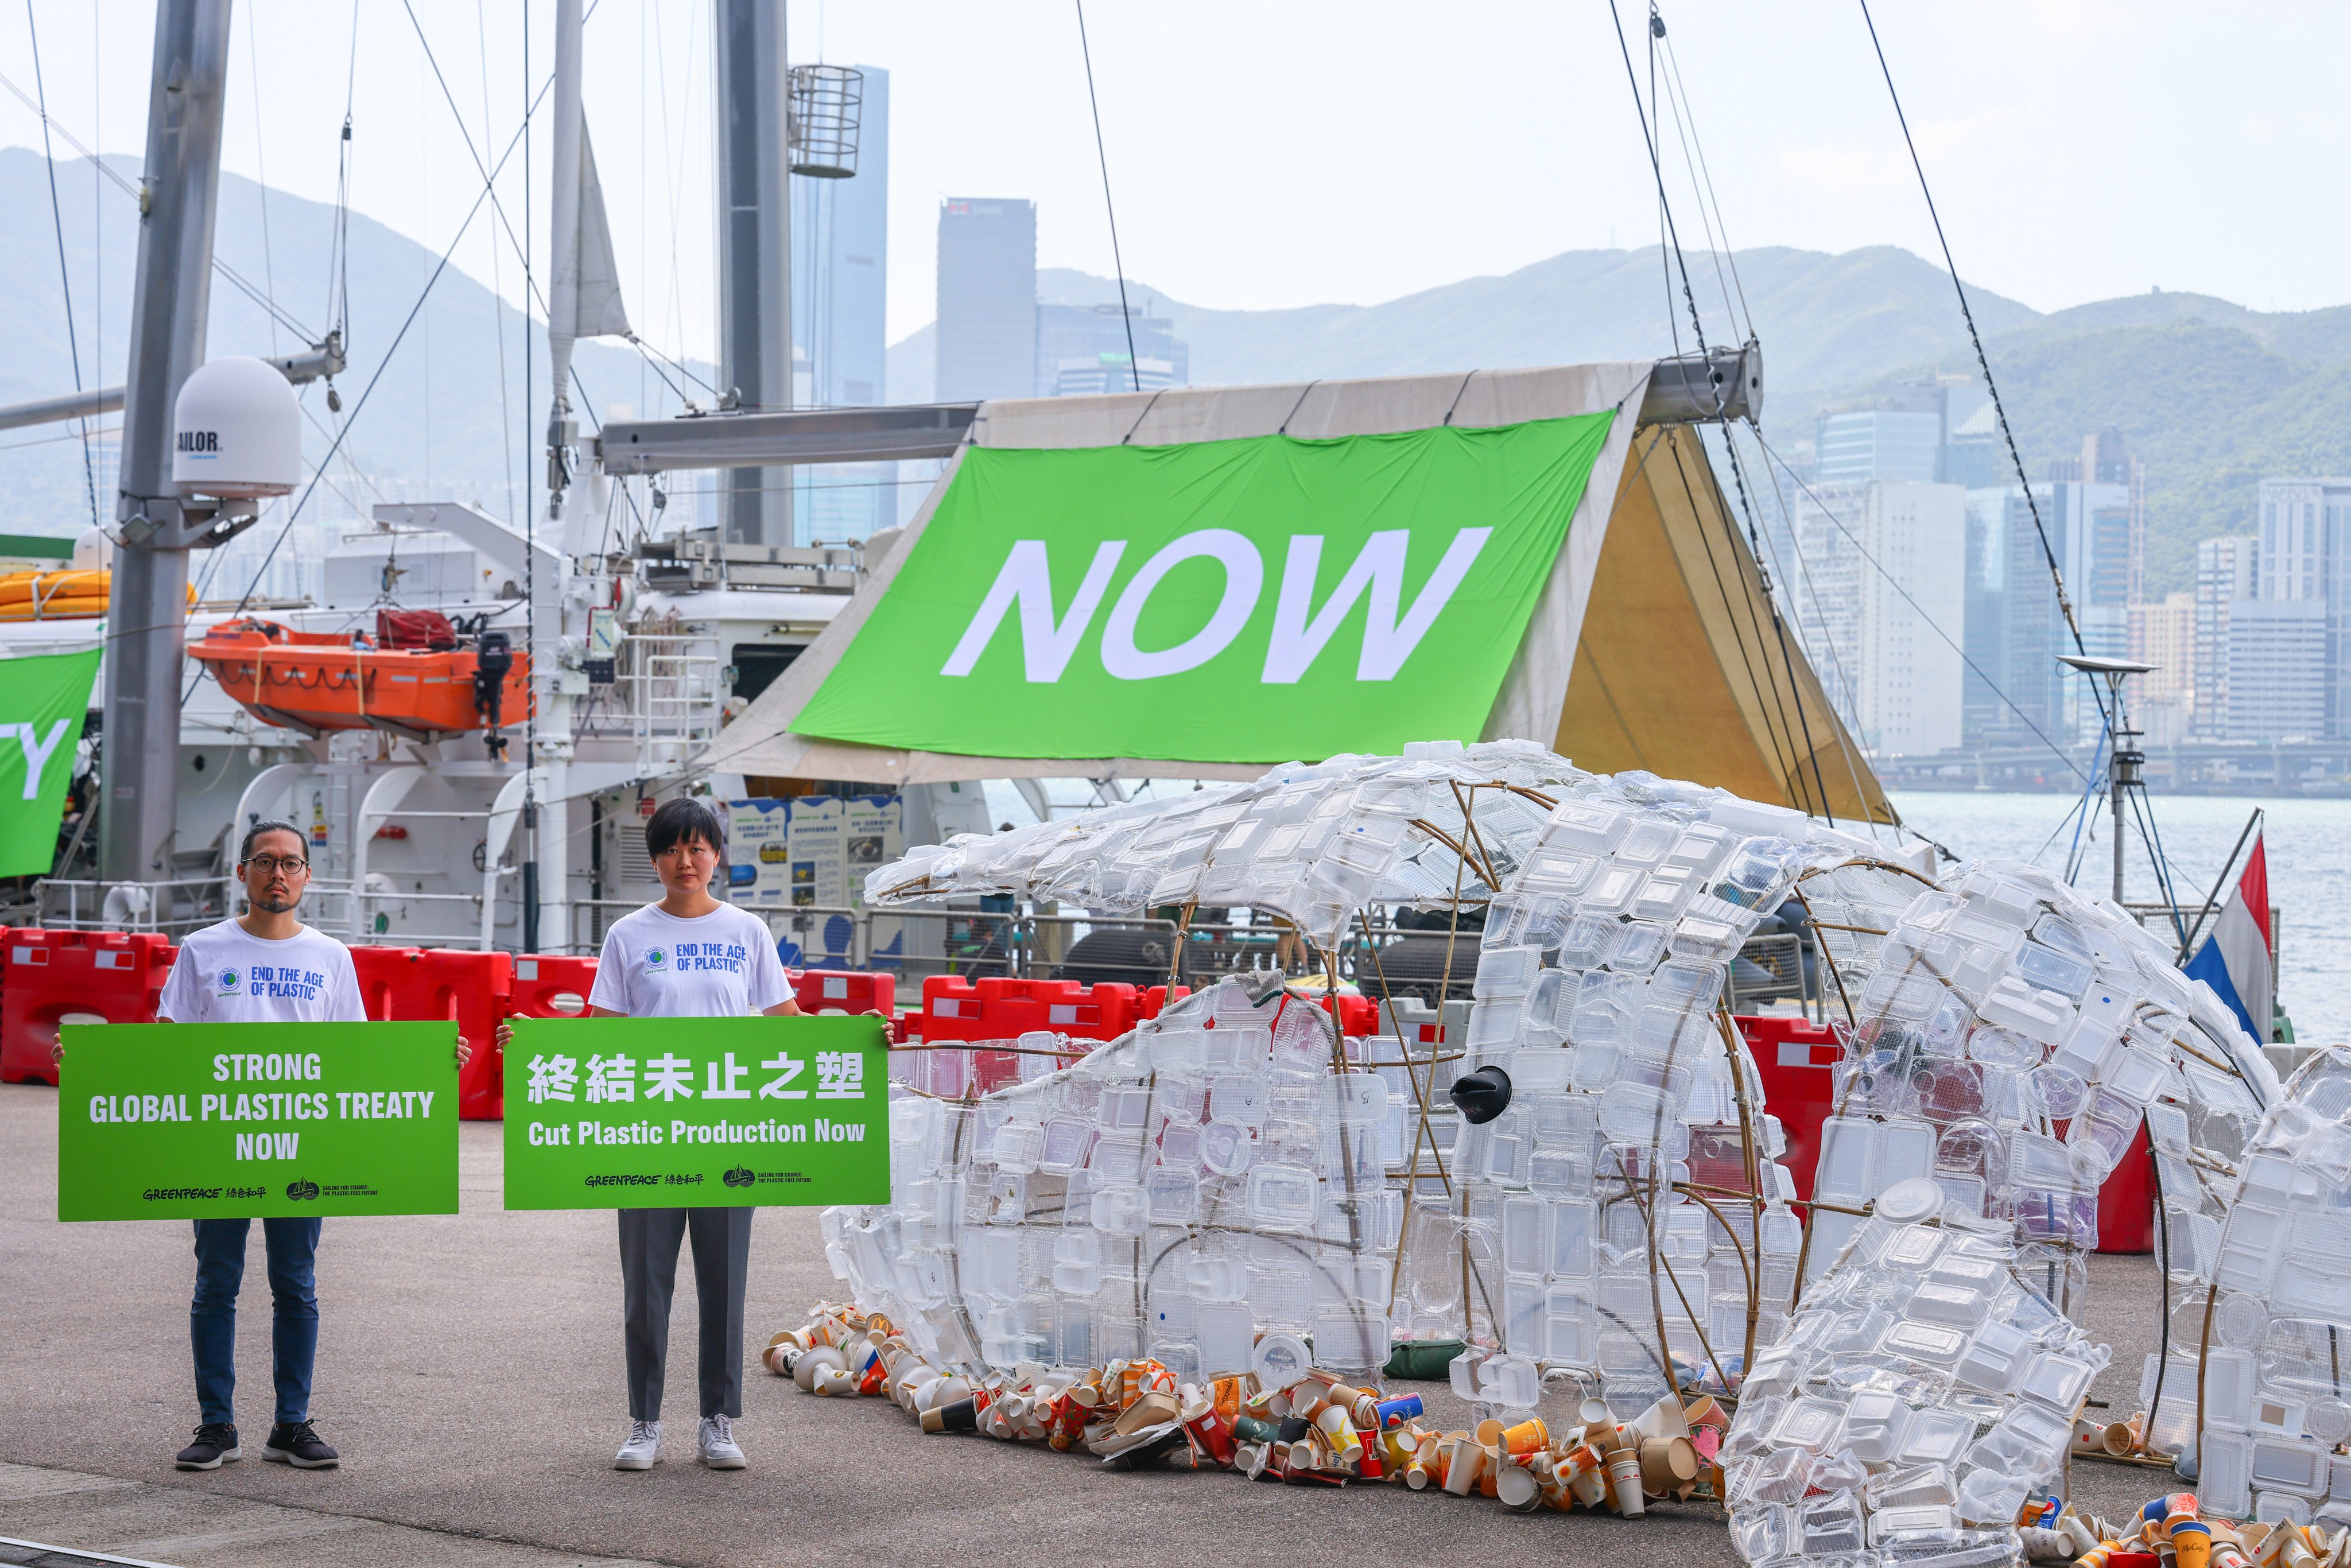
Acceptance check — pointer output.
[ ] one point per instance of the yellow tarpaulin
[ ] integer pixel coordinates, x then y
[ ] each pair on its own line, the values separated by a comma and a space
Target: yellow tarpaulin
1681, 668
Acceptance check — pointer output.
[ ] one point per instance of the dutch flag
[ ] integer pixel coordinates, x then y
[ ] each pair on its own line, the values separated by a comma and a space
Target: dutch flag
2235, 958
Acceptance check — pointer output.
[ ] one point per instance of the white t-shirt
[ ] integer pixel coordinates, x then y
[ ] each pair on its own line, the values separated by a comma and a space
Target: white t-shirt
226, 975
719, 964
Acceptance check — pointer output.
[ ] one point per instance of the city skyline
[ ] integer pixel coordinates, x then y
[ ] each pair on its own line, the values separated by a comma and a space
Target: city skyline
2031, 120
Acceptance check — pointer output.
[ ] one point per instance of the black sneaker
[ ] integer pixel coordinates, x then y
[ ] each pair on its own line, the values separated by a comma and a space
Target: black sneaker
215, 1441
299, 1445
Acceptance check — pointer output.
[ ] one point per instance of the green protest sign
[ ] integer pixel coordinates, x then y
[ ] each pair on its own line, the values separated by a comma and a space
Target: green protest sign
696, 1112
215, 1121
41, 713
1247, 601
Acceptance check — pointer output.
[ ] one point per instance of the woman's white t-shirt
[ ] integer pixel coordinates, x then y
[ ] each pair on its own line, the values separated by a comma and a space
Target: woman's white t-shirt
225, 974
719, 964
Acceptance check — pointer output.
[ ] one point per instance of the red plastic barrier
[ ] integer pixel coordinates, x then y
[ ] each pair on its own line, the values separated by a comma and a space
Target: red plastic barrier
997, 1009
415, 985
2127, 1201
846, 991
108, 977
549, 987
1795, 1059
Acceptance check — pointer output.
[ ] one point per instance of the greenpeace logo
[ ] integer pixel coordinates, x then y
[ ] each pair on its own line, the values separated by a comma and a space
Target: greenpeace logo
1303, 629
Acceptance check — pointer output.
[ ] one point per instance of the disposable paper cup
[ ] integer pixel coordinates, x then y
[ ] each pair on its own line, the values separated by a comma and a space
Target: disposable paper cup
962, 1416
1463, 1460
1625, 1481
1489, 1432
1667, 1465
1528, 1436
1518, 1489
816, 1363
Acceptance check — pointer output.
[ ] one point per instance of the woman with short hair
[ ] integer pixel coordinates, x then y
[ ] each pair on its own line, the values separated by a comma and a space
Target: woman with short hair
736, 972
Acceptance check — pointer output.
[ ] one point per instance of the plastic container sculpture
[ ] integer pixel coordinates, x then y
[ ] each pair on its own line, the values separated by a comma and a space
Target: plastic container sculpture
1924, 1392
1623, 1217
2010, 1043
1207, 1179
1226, 1179
2262, 1337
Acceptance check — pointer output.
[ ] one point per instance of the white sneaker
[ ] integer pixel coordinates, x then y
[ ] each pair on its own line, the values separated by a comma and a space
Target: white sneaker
719, 1451
643, 1448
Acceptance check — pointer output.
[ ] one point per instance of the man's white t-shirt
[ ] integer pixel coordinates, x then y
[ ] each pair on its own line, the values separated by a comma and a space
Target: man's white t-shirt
719, 964
226, 975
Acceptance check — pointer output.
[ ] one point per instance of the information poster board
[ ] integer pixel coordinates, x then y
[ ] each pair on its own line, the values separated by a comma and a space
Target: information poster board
696, 1112
219, 1121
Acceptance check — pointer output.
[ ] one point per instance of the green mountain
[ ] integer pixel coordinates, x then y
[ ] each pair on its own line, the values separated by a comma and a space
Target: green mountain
2214, 396
448, 411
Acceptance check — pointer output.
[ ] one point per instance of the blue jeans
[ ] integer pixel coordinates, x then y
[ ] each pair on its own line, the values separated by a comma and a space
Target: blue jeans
292, 1244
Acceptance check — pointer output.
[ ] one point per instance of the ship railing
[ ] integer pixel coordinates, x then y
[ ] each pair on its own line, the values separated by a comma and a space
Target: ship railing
172, 908
334, 905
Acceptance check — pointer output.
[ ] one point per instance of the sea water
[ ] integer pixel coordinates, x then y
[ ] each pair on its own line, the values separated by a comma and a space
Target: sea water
2309, 845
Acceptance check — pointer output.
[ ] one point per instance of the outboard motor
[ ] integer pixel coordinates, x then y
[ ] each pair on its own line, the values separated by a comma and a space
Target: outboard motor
493, 659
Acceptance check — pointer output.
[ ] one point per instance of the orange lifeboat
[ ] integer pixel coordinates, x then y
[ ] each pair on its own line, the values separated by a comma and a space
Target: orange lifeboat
315, 682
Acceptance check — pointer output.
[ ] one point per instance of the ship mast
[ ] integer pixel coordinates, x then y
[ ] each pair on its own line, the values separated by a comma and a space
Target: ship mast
755, 251
170, 306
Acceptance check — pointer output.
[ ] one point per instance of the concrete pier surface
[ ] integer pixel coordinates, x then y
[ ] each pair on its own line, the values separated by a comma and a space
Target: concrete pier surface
469, 1370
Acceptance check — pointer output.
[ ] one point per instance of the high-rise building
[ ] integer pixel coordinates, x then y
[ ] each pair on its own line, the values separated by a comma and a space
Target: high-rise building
2224, 584
841, 252
1894, 445
1934, 430
1985, 710
2306, 554
2163, 701
2016, 633
1085, 348
2104, 460
2277, 670
1887, 606
987, 325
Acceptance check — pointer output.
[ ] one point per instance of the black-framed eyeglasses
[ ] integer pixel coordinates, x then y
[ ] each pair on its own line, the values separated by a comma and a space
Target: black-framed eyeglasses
290, 865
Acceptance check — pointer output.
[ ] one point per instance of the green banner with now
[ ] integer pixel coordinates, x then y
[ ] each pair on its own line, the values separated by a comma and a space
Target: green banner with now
1253, 601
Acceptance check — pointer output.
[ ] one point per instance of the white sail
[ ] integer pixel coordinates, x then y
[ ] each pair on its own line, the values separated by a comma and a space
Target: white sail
583, 298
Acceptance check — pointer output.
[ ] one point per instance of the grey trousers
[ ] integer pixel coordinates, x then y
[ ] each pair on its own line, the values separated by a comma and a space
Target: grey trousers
722, 1259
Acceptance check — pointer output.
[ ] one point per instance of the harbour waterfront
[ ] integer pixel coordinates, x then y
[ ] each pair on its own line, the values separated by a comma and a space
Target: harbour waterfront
2309, 857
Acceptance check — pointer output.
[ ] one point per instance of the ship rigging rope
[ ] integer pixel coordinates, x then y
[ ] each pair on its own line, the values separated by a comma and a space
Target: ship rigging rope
1876, 565
1714, 382
1786, 759
1836, 660
64, 277
2112, 721
2064, 603
1134, 365
238, 280
390, 351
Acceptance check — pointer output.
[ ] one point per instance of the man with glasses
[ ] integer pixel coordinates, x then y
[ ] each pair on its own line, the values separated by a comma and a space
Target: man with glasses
263, 967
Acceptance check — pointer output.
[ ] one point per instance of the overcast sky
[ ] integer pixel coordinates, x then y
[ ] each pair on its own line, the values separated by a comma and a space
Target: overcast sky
1285, 153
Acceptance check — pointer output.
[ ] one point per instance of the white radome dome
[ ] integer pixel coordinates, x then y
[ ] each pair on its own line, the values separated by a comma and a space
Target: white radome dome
236, 431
